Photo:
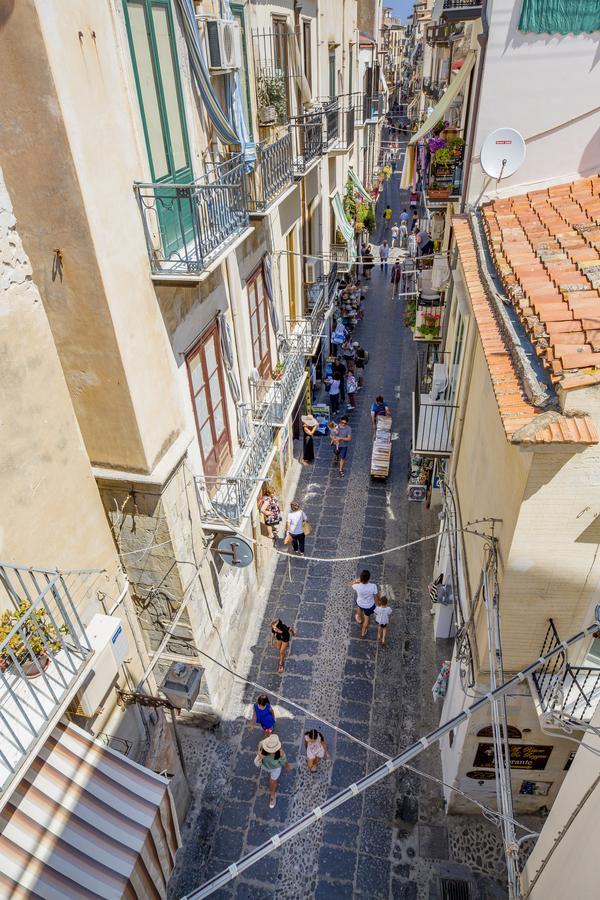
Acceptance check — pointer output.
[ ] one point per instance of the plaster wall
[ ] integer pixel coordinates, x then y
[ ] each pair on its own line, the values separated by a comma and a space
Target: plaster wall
547, 87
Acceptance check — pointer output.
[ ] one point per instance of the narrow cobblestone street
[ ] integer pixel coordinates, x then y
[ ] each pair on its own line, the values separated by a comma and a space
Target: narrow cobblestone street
395, 841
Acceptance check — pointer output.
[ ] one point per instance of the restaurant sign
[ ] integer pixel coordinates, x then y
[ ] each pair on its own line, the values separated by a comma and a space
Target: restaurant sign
522, 756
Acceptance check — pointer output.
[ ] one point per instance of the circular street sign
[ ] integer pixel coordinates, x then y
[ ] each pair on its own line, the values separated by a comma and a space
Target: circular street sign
235, 551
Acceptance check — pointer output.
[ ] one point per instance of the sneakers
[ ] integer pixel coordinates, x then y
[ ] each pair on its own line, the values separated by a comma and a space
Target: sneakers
272, 802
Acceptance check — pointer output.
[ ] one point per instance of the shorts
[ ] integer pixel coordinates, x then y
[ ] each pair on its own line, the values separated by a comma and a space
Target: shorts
343, 452
275, 773
368, 612
380, 625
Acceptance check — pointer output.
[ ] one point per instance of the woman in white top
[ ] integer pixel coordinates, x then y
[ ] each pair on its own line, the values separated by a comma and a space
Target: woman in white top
334, 395
294, 526
367, 600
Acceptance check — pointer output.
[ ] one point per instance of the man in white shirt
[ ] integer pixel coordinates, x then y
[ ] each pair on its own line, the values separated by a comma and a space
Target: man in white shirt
367, 600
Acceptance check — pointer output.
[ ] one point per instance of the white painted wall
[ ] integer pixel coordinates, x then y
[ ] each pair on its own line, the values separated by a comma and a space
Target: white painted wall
548, 88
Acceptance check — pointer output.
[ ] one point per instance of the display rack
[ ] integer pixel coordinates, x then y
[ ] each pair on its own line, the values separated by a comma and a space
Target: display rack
382, 448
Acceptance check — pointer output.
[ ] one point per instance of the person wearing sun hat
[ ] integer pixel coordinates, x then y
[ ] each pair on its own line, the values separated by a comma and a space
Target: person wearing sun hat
309, 428
271, 756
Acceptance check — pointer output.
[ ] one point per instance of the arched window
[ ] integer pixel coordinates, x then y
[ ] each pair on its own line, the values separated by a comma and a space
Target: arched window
512, 732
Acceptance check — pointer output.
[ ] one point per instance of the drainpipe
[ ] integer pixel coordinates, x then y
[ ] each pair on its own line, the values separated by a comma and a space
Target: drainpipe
482, 40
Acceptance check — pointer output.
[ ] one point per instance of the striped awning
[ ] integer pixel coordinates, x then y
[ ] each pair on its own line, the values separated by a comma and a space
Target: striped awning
222, 125
454, 88
340, 217
358, 185
86, 821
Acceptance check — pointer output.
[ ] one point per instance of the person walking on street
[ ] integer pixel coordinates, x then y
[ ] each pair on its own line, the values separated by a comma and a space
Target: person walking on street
384, 252
316, 748
271, 756
383, 615
387, 217
309, 428
368, 262
263, 715
339, 372
395, 233
379, 408
351, 388
403, 235
367, 599
415, 221
269, 508
294, 527
343, 438
424, 243
396, 277
334, 394
360, 358
404, 217
281, 633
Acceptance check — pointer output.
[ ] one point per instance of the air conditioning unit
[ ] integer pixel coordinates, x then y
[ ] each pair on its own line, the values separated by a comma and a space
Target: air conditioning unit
224, 44
109, 643
311, 275
439, 381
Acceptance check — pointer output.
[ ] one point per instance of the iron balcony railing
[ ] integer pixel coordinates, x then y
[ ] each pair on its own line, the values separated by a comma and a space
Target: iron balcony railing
331, 122
339, 254
188, 225
272, 174
433, 409
43, 654
307, 140
274, 398
226, 499
373, 107
310, 328
461, 9
572, 691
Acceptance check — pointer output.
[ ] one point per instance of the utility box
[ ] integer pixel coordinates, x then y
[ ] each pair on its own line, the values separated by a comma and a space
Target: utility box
181, 684
110, 646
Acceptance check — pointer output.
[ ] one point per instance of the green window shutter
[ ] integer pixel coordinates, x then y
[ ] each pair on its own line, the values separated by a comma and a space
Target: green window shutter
560, 16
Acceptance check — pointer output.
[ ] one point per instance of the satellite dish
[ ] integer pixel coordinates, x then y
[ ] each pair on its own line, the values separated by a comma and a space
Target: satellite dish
235, 551
502, 152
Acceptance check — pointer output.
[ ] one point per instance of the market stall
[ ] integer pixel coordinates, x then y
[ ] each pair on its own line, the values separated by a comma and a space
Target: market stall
382, 448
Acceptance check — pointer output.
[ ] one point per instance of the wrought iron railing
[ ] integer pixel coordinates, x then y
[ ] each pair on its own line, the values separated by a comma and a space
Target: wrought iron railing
339, 254
227, 498
438, 34
274, 398
307, 140
373, 107
310, 328
272, 174
461, 9
331, 122
571, 690
433, 409
43, 652
188, 225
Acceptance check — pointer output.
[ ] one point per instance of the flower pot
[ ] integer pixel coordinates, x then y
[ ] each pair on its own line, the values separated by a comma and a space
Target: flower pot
267, 115
31, 669
439, 194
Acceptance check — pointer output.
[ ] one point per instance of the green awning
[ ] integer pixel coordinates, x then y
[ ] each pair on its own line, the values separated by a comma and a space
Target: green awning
560, 16
340, 217
358, 185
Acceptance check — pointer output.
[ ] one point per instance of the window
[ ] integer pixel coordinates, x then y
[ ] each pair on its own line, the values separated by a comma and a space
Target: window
156, 71
259, 322
280, 54
205, 373
306, 52
332, 91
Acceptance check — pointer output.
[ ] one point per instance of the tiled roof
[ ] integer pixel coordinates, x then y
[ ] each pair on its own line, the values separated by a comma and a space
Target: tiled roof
546, 248
516, 411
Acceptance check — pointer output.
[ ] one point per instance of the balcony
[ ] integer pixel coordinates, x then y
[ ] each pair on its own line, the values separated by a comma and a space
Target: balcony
226, 500
439, 34
340, 255
433, 410
562, 689
307, 141
43, 655
445, 183
272, 175
188, 226
320, 297
373, 108
461, 10
274, 399
331, 122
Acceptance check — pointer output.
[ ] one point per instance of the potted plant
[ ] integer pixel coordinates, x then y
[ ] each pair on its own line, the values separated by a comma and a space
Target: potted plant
39, 633
442, 158
410, 313
277, 373
428, 327
437, 191
272, 99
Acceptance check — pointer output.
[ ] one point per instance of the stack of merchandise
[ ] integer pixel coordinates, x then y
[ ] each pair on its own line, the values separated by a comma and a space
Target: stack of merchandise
382, 448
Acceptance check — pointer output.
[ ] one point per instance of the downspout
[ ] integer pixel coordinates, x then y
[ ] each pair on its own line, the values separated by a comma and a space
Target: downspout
482, 40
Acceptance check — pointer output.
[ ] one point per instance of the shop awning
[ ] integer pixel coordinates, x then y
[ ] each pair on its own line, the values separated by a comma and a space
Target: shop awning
358, 185
340, 217
86, 821
408, 168
454, 88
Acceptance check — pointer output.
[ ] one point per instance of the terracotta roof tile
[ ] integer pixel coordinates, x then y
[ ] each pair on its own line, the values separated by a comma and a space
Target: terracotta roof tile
546, 248
522, 421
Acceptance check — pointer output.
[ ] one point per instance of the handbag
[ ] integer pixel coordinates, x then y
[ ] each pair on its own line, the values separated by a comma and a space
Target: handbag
258, 760
306, 527
288, 538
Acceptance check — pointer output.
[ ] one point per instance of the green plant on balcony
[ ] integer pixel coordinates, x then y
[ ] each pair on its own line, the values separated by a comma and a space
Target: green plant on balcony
430, 326
455, 145
410, 314
349, 202
271, 92
39, 632
369, 220
277, 372
443, 158
438, 191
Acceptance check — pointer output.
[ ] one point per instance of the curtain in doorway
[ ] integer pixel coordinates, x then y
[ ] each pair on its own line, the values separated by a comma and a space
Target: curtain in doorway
235, 105
229, 360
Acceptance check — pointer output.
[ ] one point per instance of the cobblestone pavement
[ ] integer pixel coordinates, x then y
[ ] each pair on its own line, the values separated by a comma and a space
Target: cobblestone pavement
394, 841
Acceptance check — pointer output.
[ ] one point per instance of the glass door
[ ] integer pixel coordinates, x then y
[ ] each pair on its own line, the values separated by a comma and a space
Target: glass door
152, 46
